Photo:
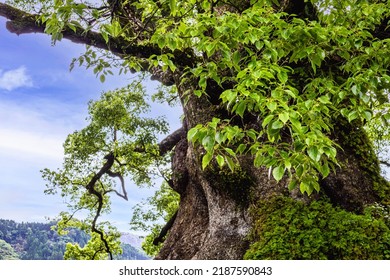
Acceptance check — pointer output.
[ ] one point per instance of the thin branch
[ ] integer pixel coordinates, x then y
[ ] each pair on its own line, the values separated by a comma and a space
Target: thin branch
117, 174
91, 189
384, 163
165, 230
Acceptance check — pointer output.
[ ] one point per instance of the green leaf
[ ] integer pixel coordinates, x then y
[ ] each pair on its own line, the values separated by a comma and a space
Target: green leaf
206, 160
299, 171
293, 184
241, 148
367, 115
241, 108
304, 187
208, 143
203, 82
282, 76
191, 134
272, 106
296, 125
309, 104
277, 125
230, 163
324, 99
252, 134
229, 95
172, 6
354, 89
284, 117
259, 45
242, 74
352, 116
325, 170
230, 152
278, 172
330, 152
267, 120
258, 161
314, 153
219, 137
236, 57
220, 160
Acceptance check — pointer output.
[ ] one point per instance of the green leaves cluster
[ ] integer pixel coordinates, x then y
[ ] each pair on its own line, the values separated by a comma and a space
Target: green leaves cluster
294, 75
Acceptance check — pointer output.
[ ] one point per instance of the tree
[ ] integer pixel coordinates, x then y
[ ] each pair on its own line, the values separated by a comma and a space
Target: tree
7, 252
276, 97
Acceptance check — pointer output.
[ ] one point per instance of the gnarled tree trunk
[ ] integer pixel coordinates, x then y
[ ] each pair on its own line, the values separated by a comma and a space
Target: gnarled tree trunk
214, 219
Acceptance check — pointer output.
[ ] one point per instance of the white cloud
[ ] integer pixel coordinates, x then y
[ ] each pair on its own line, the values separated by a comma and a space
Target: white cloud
16, 78
29, 143
35, 131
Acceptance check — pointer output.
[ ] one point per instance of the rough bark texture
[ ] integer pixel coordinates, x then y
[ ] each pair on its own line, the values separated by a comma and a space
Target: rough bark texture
213, 219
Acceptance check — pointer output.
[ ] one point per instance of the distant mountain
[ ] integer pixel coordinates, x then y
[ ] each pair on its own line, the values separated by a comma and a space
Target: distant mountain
36, 241
131, 239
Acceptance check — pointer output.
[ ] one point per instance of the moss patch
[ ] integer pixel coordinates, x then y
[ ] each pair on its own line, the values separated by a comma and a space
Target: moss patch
236, 185
356, 140
288, 229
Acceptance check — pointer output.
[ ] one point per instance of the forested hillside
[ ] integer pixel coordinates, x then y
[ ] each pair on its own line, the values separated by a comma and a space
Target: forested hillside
37, 241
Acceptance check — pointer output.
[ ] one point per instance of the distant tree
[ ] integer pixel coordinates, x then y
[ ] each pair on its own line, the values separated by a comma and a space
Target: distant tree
277, 97
7, 252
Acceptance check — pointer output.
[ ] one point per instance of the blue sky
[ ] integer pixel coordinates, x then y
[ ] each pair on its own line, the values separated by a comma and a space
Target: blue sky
41, 102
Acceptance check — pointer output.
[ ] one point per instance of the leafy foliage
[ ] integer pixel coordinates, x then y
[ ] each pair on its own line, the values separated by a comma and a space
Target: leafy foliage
295, 73
149, 215
287, 229
118, 142
272, 53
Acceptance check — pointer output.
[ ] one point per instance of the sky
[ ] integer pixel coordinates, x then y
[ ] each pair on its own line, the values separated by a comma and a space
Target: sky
41, 102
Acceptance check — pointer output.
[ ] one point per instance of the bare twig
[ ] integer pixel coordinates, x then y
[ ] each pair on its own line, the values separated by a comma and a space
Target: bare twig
384, 163
165, 230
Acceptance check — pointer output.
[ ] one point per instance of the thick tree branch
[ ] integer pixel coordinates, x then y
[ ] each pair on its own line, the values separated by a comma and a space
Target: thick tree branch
110, 159
171, 140
20, 22
91, 189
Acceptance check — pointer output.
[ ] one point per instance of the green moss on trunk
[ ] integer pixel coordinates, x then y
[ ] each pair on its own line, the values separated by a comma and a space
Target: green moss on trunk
288, 229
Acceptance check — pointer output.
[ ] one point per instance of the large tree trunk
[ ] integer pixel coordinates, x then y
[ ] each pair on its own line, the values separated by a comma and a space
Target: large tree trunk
214, 217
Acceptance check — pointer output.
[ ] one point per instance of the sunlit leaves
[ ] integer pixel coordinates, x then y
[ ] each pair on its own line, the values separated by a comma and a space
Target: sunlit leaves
112, 30
290, 75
